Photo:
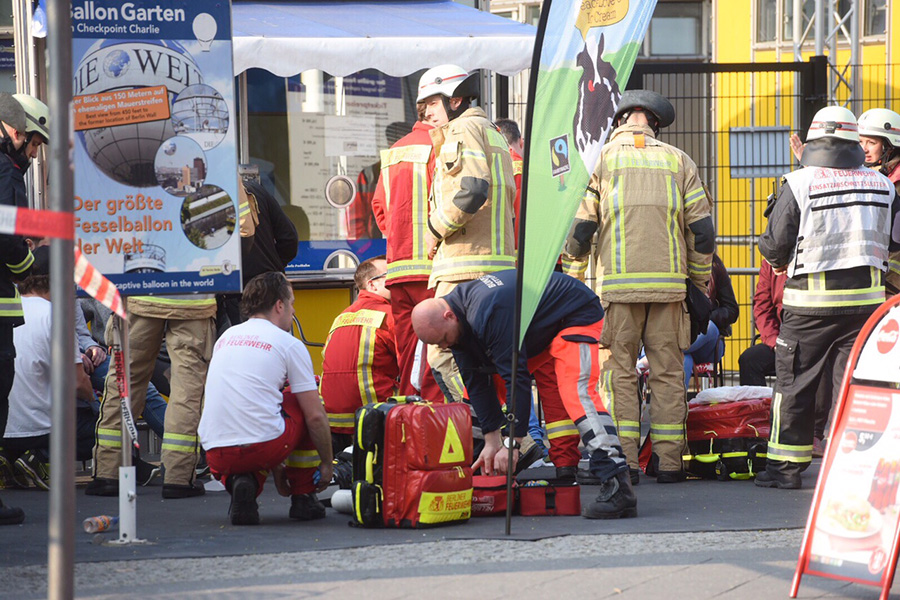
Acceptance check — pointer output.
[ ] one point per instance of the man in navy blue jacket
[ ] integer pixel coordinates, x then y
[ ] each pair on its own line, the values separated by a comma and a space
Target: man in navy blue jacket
475, 321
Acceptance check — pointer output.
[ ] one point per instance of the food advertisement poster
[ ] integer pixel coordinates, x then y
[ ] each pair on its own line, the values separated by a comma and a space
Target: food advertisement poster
156, 200
857, 518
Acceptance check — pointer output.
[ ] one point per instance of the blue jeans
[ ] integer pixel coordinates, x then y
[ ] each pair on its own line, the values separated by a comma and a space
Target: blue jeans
705, 349
154, 409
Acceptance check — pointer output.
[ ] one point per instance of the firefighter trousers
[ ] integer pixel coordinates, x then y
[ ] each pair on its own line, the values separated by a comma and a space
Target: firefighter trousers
561, 431
664, 329
805, 349
444, 368
574, 356
404, 297
190, 344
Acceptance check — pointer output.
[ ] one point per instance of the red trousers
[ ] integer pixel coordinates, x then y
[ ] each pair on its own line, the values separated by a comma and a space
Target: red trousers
573, 358
257, 459
404, 297
561, 430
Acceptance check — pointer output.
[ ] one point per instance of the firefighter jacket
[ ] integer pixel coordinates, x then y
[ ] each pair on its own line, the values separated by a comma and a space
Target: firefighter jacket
360, 360
472, 199
485, 345
361, 223
654, 220
400, 205
832, 229
517, 163
15, 257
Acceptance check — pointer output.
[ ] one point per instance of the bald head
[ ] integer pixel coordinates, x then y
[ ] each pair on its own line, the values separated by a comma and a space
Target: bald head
435, 323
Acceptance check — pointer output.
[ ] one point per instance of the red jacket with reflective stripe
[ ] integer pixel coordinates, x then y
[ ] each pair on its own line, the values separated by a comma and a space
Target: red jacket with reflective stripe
517, 161
767, 304
400, 204
360, 363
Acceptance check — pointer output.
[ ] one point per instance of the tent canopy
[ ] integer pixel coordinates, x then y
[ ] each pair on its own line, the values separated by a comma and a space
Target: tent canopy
395, 37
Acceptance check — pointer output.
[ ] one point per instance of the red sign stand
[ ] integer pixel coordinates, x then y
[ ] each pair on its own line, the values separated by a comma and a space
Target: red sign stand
852, 532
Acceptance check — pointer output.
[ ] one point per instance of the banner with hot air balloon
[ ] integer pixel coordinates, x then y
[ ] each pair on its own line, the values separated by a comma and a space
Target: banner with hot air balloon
584, 54
156, 187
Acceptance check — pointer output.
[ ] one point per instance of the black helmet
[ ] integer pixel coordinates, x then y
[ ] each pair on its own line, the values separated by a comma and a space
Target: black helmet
647, 100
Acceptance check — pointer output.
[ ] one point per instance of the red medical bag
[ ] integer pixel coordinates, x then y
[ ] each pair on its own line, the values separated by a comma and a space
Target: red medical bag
548, 497
489, 495
412, 463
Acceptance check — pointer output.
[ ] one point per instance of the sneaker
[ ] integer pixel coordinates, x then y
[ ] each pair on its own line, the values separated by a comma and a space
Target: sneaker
101, 486
10, 515
770, 479
244, 509
615, 501
670, 476
306, 507
7, 474
819, 447
36, 471
173, 491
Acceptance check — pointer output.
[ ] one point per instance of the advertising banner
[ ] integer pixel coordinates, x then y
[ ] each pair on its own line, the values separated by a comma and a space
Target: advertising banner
156, 197
584, 55
852, 530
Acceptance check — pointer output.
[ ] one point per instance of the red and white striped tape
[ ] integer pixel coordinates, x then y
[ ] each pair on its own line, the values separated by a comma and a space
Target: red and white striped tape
53, 224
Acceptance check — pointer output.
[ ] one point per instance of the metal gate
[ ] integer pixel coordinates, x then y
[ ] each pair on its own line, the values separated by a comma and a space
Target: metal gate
735, 121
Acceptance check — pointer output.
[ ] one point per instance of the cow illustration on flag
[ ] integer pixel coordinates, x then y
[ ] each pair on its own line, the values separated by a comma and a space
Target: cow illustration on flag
583, 57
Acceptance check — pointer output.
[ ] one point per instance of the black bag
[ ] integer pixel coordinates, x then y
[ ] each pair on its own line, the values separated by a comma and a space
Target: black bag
699, 307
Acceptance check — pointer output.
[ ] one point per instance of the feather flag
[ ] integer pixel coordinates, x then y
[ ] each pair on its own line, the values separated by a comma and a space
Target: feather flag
583, 57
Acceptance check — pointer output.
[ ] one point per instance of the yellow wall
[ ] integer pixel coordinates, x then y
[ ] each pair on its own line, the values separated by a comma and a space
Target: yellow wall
316, 309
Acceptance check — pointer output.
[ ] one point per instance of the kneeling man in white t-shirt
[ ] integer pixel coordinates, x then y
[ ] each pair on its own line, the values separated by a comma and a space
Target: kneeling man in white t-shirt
262, 409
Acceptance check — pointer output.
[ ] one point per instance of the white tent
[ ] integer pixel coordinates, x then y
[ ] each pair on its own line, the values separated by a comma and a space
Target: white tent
395, 37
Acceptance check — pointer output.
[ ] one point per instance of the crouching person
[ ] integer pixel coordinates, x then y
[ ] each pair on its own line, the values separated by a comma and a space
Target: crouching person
262, 409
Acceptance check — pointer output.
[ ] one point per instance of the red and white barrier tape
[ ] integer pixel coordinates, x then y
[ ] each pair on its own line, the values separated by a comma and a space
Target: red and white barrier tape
60, 225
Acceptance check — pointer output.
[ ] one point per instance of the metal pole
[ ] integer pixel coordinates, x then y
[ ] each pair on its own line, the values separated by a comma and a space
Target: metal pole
797, 32
61, 543
243, 119
820, 27
855, 96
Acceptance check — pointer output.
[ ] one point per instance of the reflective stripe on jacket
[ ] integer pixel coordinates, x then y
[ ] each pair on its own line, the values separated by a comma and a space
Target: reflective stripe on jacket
360, 360
472, 199
400, 205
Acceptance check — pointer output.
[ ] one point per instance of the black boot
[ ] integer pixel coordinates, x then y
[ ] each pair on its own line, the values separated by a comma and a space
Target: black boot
616, 500
10, 515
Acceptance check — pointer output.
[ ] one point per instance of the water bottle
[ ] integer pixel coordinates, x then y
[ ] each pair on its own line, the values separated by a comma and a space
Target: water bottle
99, 524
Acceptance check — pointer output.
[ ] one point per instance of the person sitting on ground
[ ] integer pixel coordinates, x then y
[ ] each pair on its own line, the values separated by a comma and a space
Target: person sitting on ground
475, 322
258, 370
26, 442
360, 355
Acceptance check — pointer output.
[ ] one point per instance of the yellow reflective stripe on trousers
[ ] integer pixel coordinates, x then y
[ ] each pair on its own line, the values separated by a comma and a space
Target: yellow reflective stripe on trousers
606, 390
894, 266
557, 429
789, 452
341, 419
22, 266
661, 432
833, 298
178, 442
574, 267
303, 459
366, 358
111, 438
629, 429
464, 264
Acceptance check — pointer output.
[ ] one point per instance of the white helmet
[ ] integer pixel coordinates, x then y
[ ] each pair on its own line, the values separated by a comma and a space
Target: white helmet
447, 80
833, 121
37, 115
881, 122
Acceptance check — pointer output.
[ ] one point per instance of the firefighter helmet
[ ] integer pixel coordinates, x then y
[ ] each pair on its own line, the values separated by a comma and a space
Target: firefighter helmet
836, 122
37, 115
647, 100
450, 81
881, 122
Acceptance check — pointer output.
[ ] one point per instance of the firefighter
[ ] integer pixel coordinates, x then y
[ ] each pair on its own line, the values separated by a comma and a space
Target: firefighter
475, 322
656, 237
470, 227
360, 353
37, 124
832, 286
15, 262
879, 136
400, 205
188, 325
